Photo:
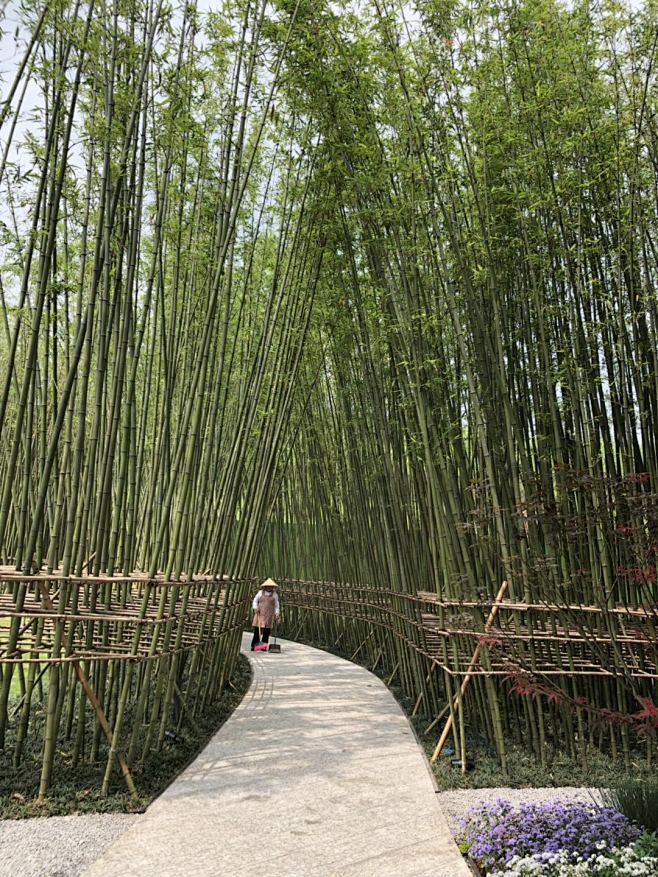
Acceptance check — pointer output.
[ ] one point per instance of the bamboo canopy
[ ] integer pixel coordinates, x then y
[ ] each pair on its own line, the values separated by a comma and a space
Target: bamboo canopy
334, 293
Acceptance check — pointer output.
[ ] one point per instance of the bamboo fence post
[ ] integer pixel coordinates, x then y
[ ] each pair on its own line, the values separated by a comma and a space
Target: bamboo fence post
123, 765
471, 667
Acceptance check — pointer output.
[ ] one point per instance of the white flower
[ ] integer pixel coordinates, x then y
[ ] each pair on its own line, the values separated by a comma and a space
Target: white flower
620, 862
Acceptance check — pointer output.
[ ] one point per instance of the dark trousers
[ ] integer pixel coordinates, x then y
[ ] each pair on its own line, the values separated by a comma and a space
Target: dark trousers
257, 640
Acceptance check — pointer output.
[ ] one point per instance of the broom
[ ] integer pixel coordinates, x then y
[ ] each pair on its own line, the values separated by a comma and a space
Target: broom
261, 647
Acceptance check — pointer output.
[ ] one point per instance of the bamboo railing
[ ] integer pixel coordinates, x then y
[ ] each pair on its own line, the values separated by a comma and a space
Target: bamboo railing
425, 622
129, 659
583, 669
125, 658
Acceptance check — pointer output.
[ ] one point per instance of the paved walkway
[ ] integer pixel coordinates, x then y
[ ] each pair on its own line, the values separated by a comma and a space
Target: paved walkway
316, 773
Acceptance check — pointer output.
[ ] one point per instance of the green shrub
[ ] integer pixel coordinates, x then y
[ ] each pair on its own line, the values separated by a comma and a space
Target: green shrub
647, 845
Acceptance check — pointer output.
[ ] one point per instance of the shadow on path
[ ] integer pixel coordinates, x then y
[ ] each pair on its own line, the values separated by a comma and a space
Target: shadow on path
316, 773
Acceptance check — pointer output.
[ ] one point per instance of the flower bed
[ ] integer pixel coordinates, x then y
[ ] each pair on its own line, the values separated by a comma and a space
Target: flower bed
556, 839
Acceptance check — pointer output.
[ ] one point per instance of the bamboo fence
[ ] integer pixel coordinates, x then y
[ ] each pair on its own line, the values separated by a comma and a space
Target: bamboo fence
583, 668
130, 658
136, 654
526, 634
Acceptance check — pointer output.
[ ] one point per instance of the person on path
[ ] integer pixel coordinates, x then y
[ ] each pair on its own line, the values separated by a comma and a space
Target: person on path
266, 611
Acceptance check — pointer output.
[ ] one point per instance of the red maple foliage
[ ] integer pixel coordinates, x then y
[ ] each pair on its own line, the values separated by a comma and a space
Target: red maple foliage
647, 717
638, 477
644, 722
637, 573
491, 641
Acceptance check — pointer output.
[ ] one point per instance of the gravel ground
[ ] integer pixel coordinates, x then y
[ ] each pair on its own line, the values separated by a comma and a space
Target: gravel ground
59, 846
458, 801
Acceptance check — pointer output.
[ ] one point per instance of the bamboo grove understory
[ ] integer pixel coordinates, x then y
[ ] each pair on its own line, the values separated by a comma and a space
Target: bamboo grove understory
356, 292
155, 650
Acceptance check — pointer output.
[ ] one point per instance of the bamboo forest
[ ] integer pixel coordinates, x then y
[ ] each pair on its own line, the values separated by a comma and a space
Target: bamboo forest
361, 295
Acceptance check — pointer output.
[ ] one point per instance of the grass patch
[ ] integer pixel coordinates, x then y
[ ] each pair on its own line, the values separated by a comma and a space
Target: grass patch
17, 684
636, 799
77, 789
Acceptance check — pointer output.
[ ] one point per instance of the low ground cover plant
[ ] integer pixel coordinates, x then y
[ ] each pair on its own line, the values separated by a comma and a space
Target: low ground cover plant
556, 839
524, 771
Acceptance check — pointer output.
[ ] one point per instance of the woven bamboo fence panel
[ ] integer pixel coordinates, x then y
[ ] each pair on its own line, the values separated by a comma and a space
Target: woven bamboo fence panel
136, 655
587, 669
534, 637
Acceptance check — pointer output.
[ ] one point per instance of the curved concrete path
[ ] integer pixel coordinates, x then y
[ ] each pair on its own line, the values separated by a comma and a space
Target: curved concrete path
316, 773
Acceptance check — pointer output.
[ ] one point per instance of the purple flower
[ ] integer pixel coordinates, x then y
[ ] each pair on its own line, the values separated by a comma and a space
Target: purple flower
495, 833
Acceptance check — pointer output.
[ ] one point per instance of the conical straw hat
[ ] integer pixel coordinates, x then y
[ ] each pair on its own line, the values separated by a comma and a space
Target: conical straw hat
269, 583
